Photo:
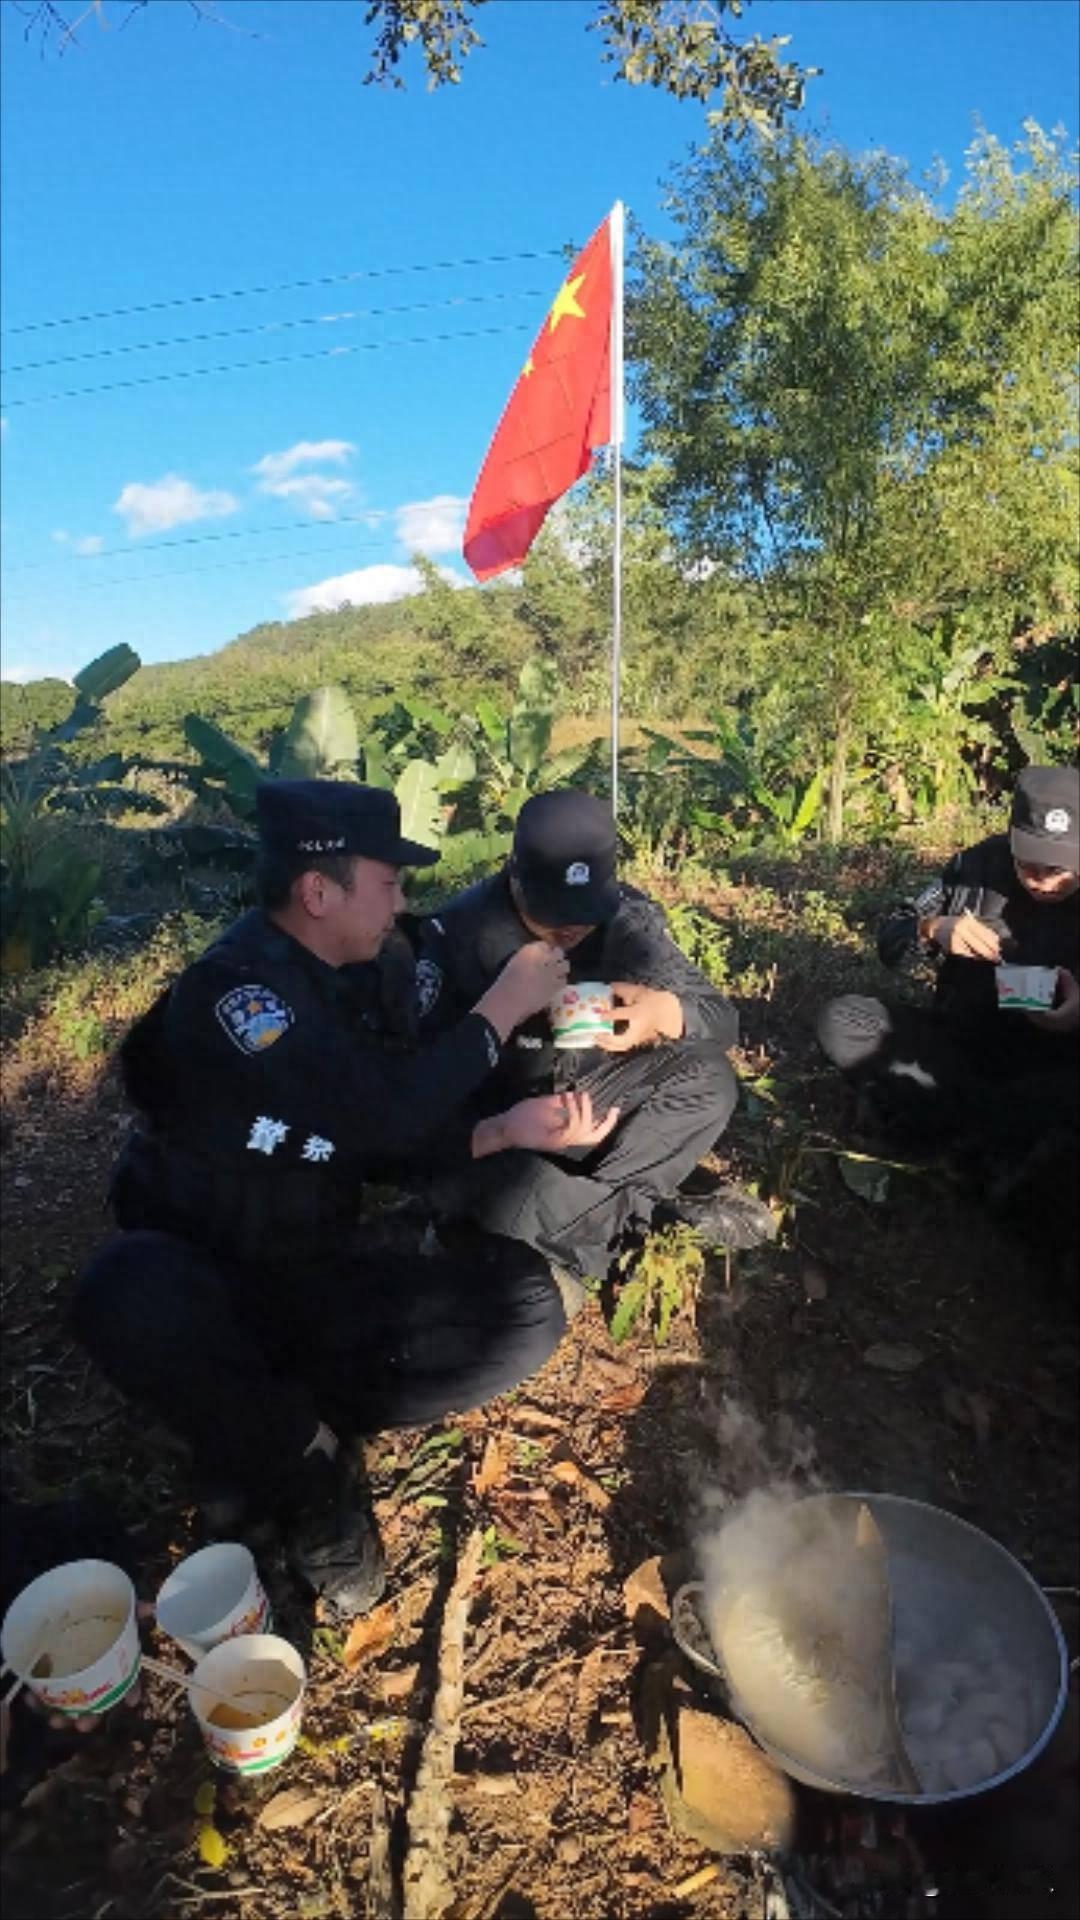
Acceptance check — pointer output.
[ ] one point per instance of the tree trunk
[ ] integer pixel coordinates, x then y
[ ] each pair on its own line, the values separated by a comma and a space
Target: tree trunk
834, 817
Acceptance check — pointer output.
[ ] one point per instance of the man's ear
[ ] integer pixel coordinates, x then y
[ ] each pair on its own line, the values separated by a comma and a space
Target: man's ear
310, 892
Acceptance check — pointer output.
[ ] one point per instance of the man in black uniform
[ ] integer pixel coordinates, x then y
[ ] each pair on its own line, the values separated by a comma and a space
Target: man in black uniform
1003, 1083
665, 1070
240, 1303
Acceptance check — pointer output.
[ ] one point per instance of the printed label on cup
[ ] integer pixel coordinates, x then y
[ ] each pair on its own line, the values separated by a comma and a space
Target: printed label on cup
582, 1014
212, 1596
1026, 989
248, 1697
72, 1636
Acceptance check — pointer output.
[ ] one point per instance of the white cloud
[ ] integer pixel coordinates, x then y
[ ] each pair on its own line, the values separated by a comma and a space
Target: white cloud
169, 502
306, 453
21, 674
365, 587
432, 526
316, 493
79, 543
319, 494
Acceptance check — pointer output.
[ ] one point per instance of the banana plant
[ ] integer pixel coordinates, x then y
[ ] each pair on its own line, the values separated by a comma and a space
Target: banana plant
48, 880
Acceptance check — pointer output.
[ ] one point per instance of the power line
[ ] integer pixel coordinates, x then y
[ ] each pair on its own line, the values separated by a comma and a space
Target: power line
286, 286
272, 326
278, 360
196, 540
219, 566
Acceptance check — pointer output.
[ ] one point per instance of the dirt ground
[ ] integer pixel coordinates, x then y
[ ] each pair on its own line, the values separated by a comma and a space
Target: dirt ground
613, 1453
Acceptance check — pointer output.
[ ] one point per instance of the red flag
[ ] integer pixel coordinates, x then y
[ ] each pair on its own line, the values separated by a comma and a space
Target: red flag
559, 411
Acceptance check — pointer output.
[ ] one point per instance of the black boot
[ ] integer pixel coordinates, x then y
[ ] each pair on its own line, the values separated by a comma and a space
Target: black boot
728, 1216
331, 1534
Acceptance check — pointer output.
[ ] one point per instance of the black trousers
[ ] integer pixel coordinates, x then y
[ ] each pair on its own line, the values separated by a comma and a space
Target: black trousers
244, 1365
674, 1101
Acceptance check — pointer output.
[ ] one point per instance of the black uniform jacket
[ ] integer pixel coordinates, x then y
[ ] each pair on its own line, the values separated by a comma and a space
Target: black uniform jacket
270, 1089
464, 946
983, 880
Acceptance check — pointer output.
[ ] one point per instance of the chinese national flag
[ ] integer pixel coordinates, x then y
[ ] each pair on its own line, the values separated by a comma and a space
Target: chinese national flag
559, 411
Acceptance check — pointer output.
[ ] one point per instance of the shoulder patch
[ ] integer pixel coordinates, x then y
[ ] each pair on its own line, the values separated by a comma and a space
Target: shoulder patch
429, 979
253, 1017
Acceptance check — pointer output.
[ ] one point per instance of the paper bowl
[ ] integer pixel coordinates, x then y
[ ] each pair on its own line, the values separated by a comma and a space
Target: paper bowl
212, 1596
260, 1674
93, 1645
582, 1014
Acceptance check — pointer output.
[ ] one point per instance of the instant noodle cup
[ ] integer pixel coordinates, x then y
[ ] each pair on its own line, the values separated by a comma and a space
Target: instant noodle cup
72, 1637
248, 1697
1026, 989
582, 1014
212, 1596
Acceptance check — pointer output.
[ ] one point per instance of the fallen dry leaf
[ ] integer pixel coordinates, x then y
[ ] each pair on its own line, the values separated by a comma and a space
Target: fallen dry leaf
535, 1420
293, 1808
492, 1468
569, 1474
893, 1359
623, 1399
369, 1636
815, 1281
397, 1686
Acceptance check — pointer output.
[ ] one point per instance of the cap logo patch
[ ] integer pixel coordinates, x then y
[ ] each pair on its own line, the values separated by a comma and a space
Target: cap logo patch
322, 846
577, 874
253, 1017
1056, 821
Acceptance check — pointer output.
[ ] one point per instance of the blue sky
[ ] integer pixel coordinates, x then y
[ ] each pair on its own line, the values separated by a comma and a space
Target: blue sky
168, 160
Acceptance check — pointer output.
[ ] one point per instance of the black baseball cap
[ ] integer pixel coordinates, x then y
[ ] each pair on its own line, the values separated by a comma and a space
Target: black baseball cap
563, 859
335, 816
1044, 826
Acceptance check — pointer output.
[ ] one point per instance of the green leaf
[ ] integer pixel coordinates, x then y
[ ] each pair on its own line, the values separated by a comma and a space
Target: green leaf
627, 1309
456, 766
491, 720
217, 750
108, 672
376, 768
418, 797
809, 805
321, 740
866, 1178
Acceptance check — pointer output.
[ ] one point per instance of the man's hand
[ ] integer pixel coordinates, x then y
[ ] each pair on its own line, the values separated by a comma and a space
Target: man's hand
551, 1123
527, 984
1064, 1016
962, 935
643, 1017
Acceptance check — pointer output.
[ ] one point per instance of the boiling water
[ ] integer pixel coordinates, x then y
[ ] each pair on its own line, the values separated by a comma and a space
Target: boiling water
965, 1717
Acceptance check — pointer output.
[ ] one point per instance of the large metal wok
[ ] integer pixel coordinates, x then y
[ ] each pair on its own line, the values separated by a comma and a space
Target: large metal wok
946, 1578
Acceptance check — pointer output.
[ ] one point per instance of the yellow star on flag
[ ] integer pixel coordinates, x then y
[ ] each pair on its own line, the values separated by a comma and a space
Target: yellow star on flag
566, 302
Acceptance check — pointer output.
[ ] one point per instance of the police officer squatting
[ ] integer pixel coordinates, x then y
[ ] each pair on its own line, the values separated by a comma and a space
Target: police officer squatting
313, 1049
984, 1073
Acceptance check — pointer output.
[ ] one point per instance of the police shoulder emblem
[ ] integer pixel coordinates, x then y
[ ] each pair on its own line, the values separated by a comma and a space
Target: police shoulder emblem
253, 1017
429, 978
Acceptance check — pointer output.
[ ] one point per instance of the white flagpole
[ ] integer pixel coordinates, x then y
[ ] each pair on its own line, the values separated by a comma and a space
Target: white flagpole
617, 237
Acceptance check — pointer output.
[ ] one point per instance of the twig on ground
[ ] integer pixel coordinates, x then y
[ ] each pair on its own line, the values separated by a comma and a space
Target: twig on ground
425, 1881
539, 1682
382, 1902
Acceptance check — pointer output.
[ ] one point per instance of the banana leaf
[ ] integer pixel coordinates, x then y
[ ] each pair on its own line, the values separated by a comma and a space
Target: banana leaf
418, 797
321, 738
105, 674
